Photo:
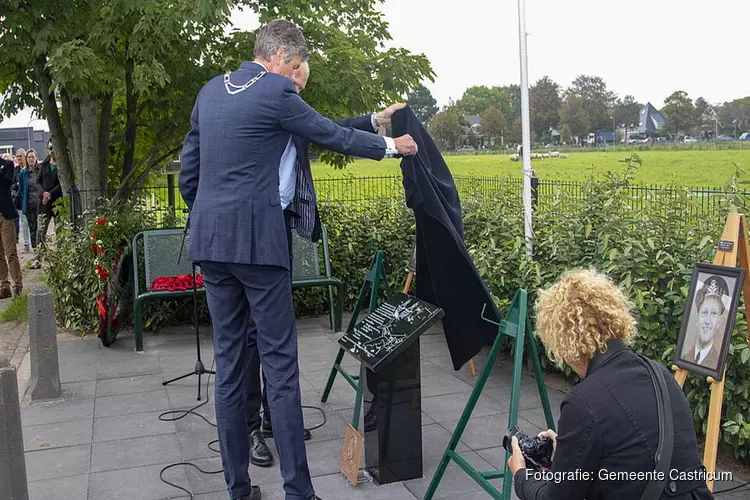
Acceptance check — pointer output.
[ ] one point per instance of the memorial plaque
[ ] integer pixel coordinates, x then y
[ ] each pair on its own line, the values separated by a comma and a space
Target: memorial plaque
389, 330
351, 454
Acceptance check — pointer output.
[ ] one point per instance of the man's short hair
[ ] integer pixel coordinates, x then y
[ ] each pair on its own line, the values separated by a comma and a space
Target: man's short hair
284, 35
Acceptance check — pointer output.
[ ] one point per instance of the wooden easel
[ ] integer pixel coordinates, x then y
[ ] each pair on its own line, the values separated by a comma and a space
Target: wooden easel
409, 279
735, 231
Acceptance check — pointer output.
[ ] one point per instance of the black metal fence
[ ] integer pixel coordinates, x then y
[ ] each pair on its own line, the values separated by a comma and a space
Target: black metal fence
167, 205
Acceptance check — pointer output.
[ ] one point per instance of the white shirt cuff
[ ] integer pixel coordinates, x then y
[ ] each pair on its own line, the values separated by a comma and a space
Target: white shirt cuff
390, 147
374, 122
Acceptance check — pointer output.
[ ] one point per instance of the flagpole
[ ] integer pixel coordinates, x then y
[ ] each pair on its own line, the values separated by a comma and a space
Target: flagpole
525, 127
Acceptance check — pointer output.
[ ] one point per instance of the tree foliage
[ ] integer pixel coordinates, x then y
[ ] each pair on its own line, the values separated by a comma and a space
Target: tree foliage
627, 112
544, 106
117, 79
679, 112
574, 116
420, 100
595, 99
446, 127
493, 123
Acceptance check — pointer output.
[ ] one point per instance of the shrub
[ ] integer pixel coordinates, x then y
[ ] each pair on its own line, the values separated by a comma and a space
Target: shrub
647, 245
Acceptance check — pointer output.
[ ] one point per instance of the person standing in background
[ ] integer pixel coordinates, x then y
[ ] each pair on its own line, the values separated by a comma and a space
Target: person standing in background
29, 195
50, 190
8, 238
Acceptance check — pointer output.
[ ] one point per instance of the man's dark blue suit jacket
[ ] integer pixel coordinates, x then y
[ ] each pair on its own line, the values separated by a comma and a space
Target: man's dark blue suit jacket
229, 174
305, 196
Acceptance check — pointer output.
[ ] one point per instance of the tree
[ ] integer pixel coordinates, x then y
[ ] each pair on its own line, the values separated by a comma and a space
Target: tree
678, 111
704, 113
573, 115
445, 126
422, 103
493, 123
595, 99
627, 113
544, 104
735, 115
118, 79
89, 63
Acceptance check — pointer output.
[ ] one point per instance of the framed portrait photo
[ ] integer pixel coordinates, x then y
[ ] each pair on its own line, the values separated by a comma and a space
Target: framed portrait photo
708, 319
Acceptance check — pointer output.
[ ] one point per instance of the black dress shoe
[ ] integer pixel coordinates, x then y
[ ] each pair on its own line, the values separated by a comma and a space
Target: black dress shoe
268, 431
254, 494
260, 455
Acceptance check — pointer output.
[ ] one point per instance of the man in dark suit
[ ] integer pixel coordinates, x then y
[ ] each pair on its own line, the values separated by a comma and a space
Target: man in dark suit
303, 216
237, 177
9, 264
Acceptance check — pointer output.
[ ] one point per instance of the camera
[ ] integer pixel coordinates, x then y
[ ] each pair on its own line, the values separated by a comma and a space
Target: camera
537, 451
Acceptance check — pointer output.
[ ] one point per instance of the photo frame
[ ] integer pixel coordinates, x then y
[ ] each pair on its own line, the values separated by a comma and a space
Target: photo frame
708, 319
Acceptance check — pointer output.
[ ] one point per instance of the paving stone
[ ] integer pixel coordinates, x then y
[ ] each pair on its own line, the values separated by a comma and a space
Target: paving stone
46, 436
73, 391
438, 385
135, 452
69, 488
54, 412
57, 462
128, 385
142, 483
450, 406
144, 402
130, 426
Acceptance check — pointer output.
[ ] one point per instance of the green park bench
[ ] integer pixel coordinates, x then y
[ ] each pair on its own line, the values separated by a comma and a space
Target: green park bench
156, 253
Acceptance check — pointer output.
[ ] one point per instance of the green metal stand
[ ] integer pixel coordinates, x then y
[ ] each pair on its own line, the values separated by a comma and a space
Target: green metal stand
374, 276
516, 325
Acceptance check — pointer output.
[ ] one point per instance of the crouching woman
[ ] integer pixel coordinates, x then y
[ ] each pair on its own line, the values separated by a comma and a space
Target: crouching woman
608, 432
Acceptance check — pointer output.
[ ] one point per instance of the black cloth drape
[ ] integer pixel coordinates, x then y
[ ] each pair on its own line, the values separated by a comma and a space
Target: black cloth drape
445, 275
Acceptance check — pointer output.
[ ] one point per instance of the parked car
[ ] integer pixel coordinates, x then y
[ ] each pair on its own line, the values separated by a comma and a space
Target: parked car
745, 136
690, 139
724, 138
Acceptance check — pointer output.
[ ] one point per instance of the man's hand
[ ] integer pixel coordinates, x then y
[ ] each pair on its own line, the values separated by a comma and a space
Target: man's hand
45, 197
384, 117
516, 461
405, 145
549, 433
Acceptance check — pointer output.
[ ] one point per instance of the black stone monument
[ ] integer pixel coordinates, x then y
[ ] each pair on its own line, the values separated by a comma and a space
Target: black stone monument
387, 344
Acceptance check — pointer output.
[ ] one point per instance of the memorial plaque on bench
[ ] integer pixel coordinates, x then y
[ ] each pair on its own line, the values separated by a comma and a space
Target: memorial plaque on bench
387, 344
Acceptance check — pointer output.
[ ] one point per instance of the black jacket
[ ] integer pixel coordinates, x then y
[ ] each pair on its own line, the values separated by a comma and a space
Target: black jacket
47, 181
609, 422
7, 172
446, 275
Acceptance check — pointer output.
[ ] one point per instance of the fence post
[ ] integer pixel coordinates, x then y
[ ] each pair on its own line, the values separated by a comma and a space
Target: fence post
12, 459
170, 191
534, 190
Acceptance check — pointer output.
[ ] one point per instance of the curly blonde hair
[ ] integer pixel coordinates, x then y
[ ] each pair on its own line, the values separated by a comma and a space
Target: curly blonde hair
580, 313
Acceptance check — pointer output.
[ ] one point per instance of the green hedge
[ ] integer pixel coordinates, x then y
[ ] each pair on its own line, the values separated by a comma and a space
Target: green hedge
650, 252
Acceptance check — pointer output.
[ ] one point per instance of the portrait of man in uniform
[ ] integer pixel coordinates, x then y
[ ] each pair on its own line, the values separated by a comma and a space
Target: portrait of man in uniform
709, 319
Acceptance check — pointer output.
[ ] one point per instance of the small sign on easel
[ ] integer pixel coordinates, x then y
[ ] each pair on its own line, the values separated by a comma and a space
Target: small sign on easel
351, 454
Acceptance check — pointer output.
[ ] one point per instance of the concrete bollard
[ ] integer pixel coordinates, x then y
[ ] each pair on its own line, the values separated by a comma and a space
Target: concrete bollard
45, 367
12, 459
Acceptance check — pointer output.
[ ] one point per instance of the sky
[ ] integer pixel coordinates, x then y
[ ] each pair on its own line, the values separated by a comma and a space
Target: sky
646, 48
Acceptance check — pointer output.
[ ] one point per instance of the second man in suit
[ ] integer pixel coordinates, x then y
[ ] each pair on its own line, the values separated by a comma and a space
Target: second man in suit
301, 215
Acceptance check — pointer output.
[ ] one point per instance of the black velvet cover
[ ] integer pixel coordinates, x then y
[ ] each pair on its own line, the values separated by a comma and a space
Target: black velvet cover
446, 275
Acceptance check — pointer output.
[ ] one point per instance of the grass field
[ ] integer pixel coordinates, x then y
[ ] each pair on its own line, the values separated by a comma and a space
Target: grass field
688, 168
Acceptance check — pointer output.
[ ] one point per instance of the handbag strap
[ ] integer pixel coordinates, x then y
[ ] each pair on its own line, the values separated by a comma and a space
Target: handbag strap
665, 448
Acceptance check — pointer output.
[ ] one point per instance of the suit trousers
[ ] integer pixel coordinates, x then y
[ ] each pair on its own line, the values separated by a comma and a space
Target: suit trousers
235, 293
9, 263
256, 397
